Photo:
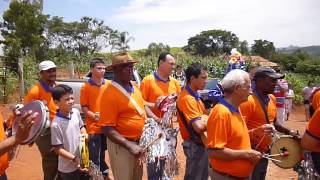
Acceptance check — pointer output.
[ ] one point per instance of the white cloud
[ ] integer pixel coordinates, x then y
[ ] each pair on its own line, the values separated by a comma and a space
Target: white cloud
284, 22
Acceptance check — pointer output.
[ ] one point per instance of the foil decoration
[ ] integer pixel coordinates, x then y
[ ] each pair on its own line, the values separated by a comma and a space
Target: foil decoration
165, 146
94, 172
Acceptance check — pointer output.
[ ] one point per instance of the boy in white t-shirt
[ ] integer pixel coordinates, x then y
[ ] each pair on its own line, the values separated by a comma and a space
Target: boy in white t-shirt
66, 129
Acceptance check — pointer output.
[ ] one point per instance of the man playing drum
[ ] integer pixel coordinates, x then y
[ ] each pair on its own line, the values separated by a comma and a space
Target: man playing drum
260, 114
230, 153
6, 144
90, 95
192, 118
122, 119
311, 139
153, 88
42, 91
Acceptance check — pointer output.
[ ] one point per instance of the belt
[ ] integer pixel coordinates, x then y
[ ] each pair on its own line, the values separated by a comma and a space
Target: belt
228, 175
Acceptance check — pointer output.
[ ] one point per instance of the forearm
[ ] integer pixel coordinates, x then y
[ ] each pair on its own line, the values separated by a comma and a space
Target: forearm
87, 112
64, 153
227, 154
7, 144
282, 129
200, 125
115, 136
150, 114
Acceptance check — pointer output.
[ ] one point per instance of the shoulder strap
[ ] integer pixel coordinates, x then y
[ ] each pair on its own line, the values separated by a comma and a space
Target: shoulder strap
124, 92
194, 136
264, 108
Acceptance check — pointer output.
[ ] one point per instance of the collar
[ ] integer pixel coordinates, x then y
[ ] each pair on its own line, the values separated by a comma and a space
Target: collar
91, 82
58, 114
158, 78
265, 100
229, 106
45, 86
196, 95
130, 89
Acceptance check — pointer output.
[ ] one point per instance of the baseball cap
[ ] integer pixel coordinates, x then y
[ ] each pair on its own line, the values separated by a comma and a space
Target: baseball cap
266, 71
45, 65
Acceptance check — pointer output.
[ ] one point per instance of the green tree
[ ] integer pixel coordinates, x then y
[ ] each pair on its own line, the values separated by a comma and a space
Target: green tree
120, 41
22, 30
155, 49
212, 42
244, 47
263, 48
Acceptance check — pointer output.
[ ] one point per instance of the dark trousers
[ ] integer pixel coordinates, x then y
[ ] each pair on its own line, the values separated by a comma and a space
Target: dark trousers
197, 161
260, 170
75, 175
155, 170
3, 177
49, 158
97, 147
316, 161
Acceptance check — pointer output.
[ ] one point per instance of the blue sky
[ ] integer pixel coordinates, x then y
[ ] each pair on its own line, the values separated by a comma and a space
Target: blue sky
172, 22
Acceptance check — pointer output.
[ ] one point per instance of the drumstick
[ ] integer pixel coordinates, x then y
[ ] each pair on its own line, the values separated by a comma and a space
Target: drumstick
152, 142
284, 154
272, 159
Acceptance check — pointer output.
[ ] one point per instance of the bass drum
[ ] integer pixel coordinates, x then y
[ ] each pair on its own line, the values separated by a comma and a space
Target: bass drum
41, 122
285, 144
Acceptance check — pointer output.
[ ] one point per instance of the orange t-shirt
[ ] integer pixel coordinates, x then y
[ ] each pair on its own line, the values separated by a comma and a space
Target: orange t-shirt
313, 127
255, 117
4, 159
90, 96
152, 87
116, 110
315, 101
42, 92
192, 108
227, 129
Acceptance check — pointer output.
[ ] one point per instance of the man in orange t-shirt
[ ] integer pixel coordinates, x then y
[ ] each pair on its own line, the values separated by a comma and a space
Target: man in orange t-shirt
153, 88
42, 91
122, 118
260, 114
311, 139
314, 100
90, 95
230, 152
192, 118
6, 144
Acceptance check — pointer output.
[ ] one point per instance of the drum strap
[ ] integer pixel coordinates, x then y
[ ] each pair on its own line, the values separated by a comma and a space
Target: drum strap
194, 136
263, 106
124, 92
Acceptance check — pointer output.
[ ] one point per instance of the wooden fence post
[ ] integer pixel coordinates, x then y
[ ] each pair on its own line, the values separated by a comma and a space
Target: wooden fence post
21, 79
71, 69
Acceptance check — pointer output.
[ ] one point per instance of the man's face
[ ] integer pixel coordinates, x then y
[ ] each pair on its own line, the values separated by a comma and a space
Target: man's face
98, 70
49, 75
244, 90
201, 81
269, 84
168, 65
125, 71
66, 102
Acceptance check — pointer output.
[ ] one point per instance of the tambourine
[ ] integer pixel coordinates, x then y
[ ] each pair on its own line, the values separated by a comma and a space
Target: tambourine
286, 150
41, 122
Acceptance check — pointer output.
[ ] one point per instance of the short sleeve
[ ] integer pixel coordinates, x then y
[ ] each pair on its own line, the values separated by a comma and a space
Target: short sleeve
144, 89
56, 134
313, 127
189, 108
84, 100
32, 95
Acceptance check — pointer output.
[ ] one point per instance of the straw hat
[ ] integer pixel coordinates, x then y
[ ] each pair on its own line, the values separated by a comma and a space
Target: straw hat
121, 58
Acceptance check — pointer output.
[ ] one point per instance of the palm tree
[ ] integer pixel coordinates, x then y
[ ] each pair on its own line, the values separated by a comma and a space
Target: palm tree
120, 41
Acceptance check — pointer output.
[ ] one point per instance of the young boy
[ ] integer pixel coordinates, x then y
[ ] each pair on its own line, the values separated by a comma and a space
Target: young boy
66, 129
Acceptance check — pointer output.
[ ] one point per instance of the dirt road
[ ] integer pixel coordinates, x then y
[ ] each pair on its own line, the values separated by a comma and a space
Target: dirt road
27, 165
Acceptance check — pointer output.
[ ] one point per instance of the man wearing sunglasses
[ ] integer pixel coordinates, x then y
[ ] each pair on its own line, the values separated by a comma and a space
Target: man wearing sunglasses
260, 113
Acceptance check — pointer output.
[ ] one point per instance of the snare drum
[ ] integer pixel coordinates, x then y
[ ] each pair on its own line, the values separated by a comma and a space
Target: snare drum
41, 122
285, 144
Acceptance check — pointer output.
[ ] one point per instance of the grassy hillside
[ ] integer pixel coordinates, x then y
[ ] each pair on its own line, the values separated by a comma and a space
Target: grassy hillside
311, 50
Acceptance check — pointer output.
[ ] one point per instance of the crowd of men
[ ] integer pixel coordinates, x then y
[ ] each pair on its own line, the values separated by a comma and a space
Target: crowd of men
239, 128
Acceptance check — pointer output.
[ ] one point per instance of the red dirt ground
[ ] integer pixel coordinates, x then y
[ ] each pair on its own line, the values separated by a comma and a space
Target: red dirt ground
27, 164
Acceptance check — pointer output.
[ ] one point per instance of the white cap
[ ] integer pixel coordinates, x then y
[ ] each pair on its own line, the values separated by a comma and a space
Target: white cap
45, 65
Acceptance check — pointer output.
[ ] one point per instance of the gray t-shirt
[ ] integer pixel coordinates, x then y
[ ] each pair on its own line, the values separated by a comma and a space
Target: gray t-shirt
65, 132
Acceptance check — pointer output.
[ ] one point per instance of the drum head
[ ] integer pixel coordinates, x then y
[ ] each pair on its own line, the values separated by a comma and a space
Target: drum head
289, 145
40, 122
